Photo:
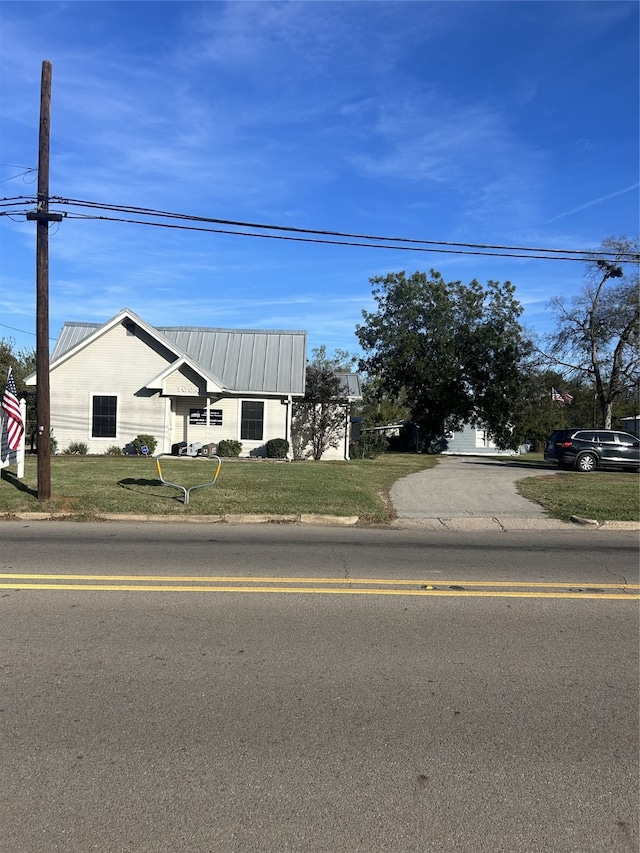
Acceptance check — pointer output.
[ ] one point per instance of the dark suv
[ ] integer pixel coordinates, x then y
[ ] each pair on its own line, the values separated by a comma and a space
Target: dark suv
588, 449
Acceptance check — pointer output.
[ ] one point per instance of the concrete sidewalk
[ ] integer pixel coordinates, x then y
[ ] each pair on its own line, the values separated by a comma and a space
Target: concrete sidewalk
470, 493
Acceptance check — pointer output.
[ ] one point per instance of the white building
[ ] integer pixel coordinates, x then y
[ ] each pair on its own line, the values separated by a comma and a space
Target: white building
111, 382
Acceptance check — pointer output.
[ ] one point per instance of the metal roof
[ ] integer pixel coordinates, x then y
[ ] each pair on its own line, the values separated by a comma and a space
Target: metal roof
246, 360
350, 384
249, 360
71, 335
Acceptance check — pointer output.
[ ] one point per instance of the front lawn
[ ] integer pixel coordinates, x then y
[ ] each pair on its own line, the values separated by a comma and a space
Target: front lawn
87, 486
602, 495
90, 485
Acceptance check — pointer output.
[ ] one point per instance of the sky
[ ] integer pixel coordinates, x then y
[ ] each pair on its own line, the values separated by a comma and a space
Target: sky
502, 123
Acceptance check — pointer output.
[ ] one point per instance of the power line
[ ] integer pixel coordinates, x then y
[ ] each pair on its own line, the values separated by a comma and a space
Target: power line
22, 331
292, 229
319, 236
17, 201
432, 249
25, 171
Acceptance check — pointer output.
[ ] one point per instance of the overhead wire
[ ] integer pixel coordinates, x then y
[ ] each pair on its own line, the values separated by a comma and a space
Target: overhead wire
26, 170
433, 249
321, 236
293, 229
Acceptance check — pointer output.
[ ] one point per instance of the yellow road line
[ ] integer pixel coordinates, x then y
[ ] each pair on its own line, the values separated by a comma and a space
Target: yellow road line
296, 580
434, 593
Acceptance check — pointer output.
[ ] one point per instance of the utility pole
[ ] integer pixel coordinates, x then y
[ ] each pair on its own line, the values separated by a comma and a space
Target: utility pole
42, 218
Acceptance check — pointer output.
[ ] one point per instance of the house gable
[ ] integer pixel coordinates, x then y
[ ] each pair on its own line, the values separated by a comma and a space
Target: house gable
250, 362
77, 337
184, 379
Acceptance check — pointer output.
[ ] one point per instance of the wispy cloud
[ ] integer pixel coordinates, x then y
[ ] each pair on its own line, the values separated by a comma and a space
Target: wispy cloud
422, 119
594, 202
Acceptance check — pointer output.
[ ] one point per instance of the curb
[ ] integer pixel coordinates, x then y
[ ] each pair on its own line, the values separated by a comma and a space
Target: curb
509, 524
456, 524
303, 518
585, 522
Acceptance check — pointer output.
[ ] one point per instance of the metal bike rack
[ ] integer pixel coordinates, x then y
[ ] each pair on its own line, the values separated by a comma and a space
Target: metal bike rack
187, 491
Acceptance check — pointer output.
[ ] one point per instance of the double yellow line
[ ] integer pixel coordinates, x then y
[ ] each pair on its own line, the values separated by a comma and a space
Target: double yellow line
324, 586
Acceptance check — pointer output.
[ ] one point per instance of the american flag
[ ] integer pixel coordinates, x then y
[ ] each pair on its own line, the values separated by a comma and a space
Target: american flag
561, 396
13, 415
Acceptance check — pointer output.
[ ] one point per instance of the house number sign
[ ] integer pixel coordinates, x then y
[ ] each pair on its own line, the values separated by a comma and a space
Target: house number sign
187, 389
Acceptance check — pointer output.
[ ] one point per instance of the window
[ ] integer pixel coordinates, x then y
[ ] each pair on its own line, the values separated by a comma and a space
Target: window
103, 416
627, 440
481, 438
252, 420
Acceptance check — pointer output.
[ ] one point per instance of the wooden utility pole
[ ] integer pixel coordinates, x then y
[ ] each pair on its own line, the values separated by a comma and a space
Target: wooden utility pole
42, 218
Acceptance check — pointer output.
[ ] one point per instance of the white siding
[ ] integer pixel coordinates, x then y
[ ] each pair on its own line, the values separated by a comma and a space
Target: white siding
472, 441
190, 433
117, 364
184, 381
274, 423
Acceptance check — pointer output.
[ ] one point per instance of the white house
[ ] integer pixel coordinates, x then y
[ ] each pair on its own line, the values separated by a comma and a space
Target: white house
111, 382
472, 441
467, 441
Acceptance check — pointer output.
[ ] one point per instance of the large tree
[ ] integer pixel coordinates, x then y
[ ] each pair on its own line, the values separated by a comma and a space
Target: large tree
378, 408
597, 332
451, 350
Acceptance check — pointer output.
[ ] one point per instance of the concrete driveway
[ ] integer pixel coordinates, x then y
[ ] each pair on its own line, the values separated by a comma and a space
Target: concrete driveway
469, 492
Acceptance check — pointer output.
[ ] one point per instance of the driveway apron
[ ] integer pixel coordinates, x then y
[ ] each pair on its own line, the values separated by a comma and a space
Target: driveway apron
465, 487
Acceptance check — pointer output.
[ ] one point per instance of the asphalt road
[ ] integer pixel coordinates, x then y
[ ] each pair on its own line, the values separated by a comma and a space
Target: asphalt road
335, 717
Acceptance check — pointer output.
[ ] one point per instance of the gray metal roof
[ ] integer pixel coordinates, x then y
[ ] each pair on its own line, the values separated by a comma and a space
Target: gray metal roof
245, 360
71, 335
350, 384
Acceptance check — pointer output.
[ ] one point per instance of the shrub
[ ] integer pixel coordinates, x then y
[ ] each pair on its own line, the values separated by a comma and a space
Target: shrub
114, 450
229, 447
141, 441
76, 448
368, 446
277, 448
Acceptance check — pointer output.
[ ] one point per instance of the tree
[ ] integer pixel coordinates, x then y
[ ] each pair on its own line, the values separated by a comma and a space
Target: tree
597, 333
22, 363
536, 414
378, 408
451, 351
319, 417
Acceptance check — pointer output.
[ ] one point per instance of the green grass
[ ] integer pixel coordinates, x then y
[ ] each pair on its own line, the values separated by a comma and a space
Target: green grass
91, 485
601, 495
88, 486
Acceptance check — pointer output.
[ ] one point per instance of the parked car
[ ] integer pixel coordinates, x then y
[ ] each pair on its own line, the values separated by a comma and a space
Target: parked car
588, 449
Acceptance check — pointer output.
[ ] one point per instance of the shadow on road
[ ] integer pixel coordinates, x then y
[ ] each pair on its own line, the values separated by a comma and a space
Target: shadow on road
524, 465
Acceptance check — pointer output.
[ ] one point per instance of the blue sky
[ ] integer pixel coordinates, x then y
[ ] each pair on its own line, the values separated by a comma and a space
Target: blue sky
508, 123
